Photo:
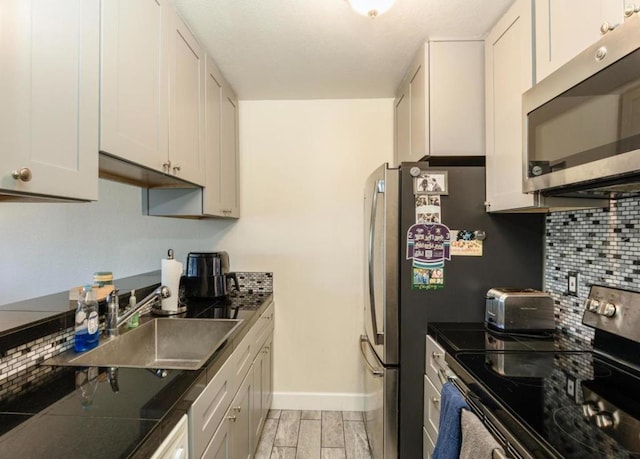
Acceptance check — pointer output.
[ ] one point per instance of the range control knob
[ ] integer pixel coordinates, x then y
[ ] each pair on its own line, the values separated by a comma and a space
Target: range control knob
592, 305
608, 310
604, 420
589, 409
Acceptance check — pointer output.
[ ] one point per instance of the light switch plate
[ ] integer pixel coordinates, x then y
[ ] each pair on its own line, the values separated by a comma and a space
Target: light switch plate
572, 283
571, 386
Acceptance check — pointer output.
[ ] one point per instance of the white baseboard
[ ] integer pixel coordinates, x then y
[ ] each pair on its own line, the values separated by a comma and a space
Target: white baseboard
317, 401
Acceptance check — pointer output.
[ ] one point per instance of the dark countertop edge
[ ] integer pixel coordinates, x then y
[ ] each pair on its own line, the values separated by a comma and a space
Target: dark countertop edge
194, 380
438, 331
157, 435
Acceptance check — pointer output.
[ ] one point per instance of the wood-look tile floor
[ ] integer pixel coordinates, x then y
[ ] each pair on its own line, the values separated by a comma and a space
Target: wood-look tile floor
313, 435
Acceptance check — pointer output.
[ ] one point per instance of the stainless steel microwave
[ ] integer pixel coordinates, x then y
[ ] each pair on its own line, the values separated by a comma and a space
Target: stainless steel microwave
582, 123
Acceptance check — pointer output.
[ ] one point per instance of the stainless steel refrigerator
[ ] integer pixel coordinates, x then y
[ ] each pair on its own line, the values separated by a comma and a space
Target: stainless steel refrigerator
403, 292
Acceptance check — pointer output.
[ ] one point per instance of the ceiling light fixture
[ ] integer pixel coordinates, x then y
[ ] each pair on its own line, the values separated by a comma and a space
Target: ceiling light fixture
371, 8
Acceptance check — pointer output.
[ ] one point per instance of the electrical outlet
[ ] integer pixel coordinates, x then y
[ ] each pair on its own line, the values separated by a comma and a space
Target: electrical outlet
572, 283
571, 386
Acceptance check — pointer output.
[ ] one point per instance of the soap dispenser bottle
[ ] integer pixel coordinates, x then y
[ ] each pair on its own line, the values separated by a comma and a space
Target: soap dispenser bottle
87, 324
135, 319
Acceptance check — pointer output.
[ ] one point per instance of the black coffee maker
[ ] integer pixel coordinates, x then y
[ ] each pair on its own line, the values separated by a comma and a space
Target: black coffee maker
207, 275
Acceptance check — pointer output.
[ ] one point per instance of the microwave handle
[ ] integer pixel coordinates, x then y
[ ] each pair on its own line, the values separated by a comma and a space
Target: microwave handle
377, 189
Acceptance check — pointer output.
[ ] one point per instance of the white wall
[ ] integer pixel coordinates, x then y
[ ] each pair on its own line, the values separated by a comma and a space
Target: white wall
303, 166
49, 248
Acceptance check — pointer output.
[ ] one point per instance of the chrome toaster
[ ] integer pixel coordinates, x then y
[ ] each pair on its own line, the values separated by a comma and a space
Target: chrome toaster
509, 309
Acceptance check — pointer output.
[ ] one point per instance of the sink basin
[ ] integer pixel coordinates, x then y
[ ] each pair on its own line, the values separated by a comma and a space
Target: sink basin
172, 344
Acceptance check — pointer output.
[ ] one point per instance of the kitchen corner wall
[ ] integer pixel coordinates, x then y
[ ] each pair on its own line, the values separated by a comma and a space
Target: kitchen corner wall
303, 167
602, 245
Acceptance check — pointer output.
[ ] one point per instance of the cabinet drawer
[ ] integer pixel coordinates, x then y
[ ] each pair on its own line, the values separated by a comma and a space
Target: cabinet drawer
428, 445
434, 362
431, 414
208, 410
250, 345
267, 320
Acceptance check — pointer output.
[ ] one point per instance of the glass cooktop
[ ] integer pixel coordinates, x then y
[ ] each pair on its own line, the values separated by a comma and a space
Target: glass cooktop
579, 403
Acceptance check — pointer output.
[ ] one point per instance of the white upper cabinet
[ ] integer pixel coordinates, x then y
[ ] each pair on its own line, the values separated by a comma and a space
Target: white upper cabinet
509, 73
221, 190
135, 81
49, 92
186, 103
230, 198
456, 98
220, 195
152, 89
509, 67
565, 28
439, 108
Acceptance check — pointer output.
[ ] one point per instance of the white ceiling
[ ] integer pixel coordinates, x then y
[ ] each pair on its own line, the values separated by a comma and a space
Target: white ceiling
321, 49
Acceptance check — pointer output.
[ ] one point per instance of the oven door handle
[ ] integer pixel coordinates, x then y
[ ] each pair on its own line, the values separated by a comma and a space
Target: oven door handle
446, 375
364, 341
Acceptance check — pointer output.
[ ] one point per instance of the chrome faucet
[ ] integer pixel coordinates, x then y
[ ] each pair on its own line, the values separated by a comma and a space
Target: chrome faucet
114, 320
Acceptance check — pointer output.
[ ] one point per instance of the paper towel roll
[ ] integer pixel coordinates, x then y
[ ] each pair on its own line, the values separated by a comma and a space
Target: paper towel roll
170, 277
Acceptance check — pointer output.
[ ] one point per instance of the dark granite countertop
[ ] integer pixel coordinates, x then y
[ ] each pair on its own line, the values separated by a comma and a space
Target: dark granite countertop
76, 413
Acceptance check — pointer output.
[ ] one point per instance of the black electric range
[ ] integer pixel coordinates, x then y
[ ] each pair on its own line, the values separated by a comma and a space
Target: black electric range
557, 395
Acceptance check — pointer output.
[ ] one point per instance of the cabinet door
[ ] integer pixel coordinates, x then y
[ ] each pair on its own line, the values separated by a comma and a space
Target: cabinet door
564, 29
411, 111
212, 197
186, 103
209, 409
49, 92
456, 98
256, 397
418, 100
242, 444
134, 110
267, 377
402, 120
509, 73
431, 414
230, 196
220, 445
428, 445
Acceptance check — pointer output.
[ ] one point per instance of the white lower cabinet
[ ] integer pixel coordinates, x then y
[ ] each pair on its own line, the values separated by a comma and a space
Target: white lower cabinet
232, 439
176, 445
428, 444
220, 445
434, 367
226, 419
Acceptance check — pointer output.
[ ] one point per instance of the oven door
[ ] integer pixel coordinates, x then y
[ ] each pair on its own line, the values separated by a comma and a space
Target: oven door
380, 404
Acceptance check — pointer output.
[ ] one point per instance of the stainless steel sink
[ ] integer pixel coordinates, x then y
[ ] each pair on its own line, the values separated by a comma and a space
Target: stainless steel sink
180, 344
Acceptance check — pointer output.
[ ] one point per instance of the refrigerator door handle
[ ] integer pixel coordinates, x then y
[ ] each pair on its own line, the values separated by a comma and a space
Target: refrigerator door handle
378, 337
374, 371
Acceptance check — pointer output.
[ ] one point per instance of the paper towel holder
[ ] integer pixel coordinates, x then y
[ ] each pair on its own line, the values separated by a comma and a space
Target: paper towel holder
181, 306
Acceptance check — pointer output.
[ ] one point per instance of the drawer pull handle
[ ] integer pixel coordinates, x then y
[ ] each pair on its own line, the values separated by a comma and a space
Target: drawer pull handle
237, 409
436, 355
435, 400
231, 418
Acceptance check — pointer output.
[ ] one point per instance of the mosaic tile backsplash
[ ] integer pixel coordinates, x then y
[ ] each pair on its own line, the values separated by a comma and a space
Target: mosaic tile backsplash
20, 369
602, 246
